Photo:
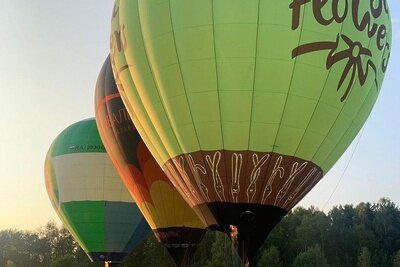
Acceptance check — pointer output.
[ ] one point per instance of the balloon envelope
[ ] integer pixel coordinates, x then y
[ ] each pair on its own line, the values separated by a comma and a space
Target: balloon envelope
246, 104
89, 197
173, 222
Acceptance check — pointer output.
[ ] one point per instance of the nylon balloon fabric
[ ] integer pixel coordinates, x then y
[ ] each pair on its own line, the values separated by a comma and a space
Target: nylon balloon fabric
89, 196
247, 104
173, 222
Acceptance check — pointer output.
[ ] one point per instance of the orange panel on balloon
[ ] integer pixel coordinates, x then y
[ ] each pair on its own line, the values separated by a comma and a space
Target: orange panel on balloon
172, 220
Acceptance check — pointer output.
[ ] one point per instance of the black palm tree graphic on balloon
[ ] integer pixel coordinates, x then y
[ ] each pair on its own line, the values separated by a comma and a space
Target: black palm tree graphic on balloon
354, 55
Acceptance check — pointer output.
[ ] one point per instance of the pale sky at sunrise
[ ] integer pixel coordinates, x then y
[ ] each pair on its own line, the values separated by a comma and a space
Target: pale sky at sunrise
50, 55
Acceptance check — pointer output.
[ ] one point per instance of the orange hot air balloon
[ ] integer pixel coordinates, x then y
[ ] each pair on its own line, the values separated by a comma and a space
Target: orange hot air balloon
173, 222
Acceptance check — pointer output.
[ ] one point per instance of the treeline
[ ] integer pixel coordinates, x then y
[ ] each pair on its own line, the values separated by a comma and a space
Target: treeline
362, 236
348, 236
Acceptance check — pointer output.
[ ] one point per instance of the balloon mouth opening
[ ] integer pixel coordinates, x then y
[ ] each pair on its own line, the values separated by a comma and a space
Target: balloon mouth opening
247, 216
214, 227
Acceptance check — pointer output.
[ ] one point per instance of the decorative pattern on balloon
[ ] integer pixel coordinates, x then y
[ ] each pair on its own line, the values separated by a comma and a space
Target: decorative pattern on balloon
267, 178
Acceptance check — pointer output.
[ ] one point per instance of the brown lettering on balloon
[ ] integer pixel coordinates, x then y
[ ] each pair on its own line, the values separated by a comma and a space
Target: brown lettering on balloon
380, 36
115, 9
168, 234
359, 58
365, 22
317, 8
124, 114
385, 6
376, 12
295, 6
117, 44
335, 11
385, 61
120, 39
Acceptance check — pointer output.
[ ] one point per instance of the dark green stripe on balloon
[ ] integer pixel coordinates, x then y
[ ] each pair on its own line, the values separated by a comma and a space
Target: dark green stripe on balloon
87, 220
106, 226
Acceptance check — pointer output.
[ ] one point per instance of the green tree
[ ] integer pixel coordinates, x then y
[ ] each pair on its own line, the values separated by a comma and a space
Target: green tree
303, 238
313, 256
221, 251
10, 264
364, 258
313, 229
203, 251
342, 243
270, 258
66, 261
16, 246
149, 253
284, 236
396, 259
364, 226
386, 227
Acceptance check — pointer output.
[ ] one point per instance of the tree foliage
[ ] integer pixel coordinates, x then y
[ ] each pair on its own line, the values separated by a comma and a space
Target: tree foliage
347, 236
364, 259
396, 259
270, 258
313, 256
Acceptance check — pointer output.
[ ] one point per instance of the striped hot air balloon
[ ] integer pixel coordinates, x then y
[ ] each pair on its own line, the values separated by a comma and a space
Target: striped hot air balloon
89, 196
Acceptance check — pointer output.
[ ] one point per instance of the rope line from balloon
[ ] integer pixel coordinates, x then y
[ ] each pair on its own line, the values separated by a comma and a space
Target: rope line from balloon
345, 169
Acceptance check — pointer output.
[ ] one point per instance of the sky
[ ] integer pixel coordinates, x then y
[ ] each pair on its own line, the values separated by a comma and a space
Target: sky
50, 55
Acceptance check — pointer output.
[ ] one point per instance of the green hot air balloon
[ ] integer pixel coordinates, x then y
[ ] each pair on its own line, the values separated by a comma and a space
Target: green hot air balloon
247, 104
89, 196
